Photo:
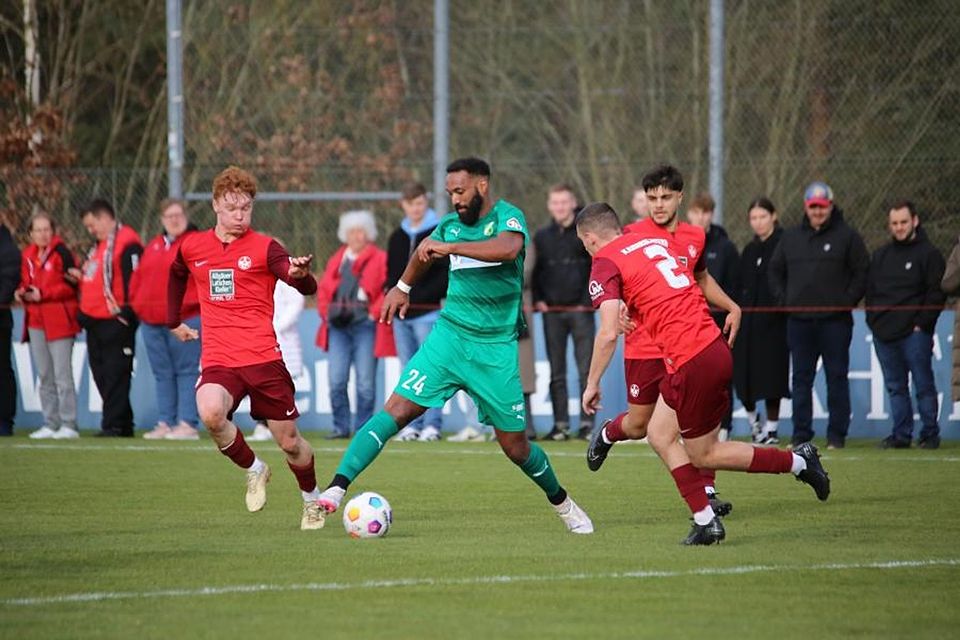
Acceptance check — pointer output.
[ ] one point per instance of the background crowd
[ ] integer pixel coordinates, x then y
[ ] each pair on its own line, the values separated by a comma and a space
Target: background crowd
797, 285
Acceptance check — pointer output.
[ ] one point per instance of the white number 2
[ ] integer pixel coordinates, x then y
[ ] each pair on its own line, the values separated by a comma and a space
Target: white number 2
414, 381
667, 266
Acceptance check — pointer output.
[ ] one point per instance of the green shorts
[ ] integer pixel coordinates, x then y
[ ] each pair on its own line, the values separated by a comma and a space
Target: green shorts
488, 371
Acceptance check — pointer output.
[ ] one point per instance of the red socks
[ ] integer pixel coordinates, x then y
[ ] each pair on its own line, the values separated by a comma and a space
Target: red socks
306, 476
690, 484
767, 460
709, 476
240, 452
614, 429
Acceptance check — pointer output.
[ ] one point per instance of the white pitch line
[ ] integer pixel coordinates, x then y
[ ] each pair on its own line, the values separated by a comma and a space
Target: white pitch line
492, 451
640, 574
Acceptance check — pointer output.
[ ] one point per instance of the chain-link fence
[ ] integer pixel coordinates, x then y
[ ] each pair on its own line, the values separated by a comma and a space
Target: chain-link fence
338, 96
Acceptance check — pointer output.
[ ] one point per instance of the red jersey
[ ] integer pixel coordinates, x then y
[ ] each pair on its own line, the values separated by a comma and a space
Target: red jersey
646, 274
104, 271
235, 282
689, 241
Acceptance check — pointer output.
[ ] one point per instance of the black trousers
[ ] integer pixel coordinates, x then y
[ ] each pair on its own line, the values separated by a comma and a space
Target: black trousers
557, 328
8, 383
110, 345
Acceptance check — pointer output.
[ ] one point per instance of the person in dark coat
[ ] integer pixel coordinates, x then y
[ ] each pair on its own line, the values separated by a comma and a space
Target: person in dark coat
723, 265
906, 272
9, 279
819, 270
761, 360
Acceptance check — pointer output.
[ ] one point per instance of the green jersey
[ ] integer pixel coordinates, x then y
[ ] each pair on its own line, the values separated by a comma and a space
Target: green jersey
484, 298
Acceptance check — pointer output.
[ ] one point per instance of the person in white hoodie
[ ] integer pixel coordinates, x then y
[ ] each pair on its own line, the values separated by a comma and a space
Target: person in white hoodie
287, 305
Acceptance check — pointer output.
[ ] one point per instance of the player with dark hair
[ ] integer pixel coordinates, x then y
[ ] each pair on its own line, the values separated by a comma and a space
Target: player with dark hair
236, 269
644, 272
642, 359
473, 345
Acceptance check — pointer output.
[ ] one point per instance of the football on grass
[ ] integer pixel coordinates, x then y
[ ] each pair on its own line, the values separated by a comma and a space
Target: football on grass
367, 515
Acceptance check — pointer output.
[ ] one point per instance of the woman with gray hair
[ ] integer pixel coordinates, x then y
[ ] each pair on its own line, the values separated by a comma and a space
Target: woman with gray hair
348, 301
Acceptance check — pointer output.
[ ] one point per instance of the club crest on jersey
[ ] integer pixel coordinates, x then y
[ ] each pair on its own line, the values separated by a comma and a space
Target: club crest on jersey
488, 230
595, 289
692, 250
244, 262
514, 224
221, 285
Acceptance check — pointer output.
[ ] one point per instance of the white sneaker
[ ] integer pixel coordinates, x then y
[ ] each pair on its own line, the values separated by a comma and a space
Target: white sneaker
330, 499
574, 517
159, 432
257, 488
429, 434
467, 434
182, 432
65, 433
43, 433
407, 434
314, 516
756, 430
260, 434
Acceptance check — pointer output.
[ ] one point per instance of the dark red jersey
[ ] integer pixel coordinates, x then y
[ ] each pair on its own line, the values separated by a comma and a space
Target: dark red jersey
689, 241
663, 295
235, 283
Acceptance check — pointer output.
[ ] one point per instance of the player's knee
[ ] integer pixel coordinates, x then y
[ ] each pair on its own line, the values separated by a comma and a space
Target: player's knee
517, 451
289, 443
212, 415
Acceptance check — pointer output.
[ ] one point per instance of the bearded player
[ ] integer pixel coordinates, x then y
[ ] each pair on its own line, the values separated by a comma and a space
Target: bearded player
644, 272
473, 345
236, 269
642, 359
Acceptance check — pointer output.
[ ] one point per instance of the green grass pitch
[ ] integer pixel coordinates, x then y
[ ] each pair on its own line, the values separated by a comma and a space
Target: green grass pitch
127, 538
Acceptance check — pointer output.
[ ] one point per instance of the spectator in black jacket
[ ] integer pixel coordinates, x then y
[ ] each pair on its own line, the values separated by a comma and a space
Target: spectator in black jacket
9, 279
761, 360
723, 265
906, 273
560, 276
409, 333
819, 270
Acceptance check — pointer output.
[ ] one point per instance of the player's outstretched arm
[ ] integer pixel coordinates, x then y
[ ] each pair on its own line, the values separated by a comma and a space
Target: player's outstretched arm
604, 346
716, 296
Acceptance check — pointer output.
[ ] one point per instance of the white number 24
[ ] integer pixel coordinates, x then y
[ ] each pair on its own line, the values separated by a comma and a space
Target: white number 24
414, 381
667, 266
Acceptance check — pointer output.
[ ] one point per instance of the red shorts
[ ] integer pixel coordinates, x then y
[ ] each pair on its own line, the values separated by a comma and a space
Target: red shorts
700, 390
268, 384
643, 379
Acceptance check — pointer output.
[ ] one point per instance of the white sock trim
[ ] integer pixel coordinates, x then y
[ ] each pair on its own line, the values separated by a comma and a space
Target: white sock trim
704, 516
257, 466
799, 464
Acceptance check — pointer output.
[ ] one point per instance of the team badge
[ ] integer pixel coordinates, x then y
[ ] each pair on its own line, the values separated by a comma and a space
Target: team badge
244, 262
634, 391
692, 250
488, 230
514, 224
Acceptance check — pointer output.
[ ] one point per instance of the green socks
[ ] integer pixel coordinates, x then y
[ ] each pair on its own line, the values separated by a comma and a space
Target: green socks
367, 444
538, 468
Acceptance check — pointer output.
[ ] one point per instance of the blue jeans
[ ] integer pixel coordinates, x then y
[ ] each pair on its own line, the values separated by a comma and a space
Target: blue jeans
409, 335
176, 366
911, 355
352, 345
809, 340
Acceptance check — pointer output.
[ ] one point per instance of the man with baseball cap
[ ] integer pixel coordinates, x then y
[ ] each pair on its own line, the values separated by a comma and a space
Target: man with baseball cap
819, 272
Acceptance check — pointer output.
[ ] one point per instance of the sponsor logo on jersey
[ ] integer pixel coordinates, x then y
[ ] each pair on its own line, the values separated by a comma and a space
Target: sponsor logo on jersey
514, 224
244, 262
488, 230
640, 244
595, 289
463, 262
221, 285
455, 231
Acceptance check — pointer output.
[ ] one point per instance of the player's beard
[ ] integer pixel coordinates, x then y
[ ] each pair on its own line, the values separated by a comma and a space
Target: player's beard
666, 223
471, 213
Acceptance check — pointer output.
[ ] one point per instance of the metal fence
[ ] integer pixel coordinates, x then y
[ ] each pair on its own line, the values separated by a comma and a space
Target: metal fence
329, 96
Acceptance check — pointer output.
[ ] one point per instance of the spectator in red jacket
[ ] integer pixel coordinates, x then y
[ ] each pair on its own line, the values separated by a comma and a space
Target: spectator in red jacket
49, 297
348, 301
175, 364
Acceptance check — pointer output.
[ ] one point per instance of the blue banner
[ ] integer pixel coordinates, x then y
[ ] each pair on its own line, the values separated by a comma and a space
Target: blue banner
870, 407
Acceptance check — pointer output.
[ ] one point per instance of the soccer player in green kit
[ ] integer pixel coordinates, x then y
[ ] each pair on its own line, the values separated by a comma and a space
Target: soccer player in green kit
473, 345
